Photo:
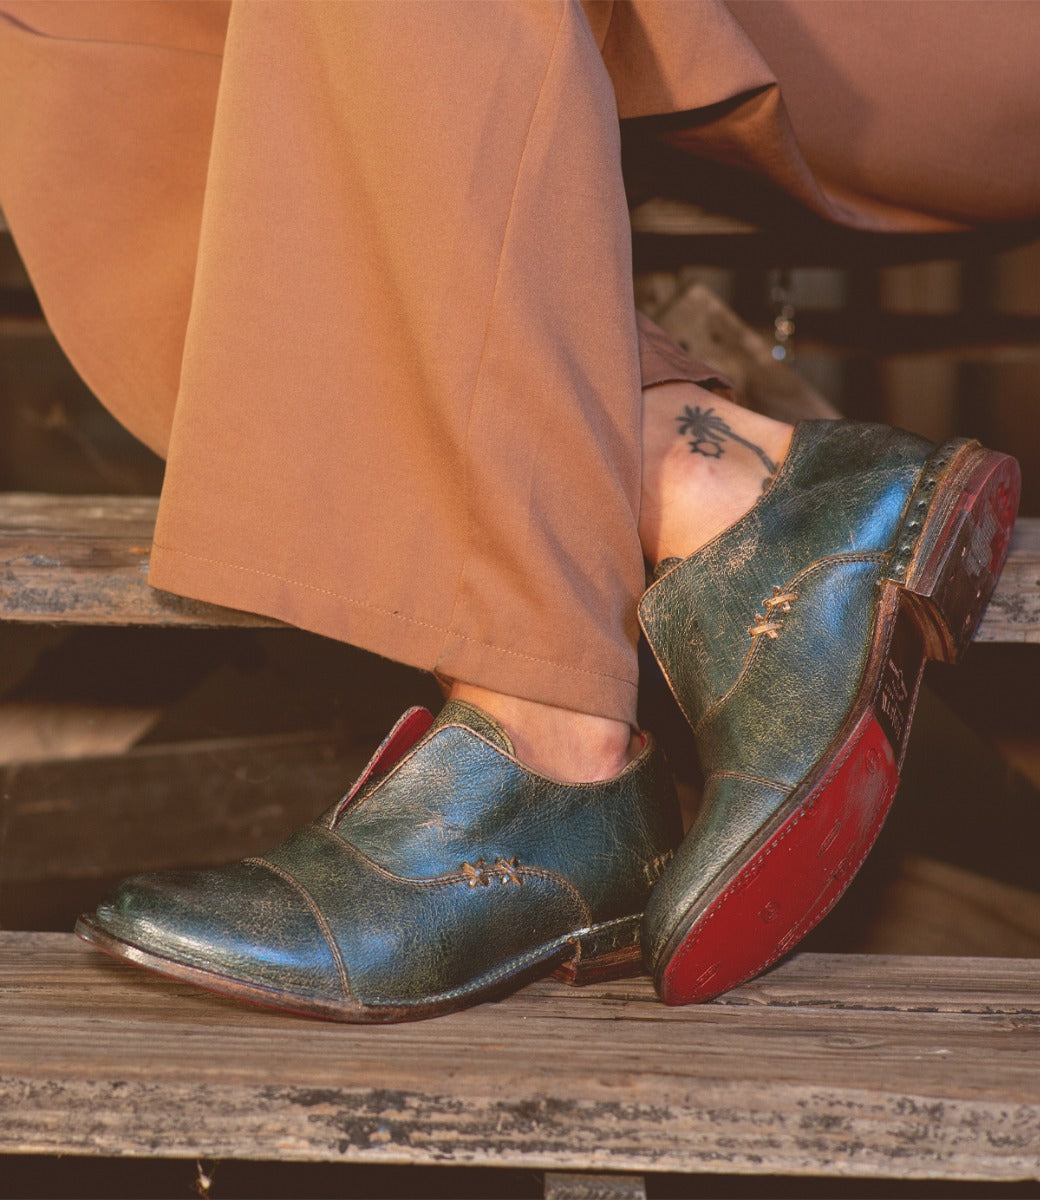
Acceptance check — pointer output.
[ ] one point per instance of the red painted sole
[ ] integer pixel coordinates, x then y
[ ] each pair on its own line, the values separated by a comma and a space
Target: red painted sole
803, 862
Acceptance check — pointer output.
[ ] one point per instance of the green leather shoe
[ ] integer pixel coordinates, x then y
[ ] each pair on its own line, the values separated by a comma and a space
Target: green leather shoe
448, 874
794, 644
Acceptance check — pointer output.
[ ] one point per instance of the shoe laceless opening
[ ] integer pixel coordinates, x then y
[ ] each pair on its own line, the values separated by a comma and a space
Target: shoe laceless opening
404, 735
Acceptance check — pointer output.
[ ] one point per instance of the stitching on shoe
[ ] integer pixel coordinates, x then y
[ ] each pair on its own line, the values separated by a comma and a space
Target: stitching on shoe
753, 650
744, 776
565, 883
319, 916
453, 878
545, 951
446, 880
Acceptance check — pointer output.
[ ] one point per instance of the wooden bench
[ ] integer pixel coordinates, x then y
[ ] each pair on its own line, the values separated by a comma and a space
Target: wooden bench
906, 1067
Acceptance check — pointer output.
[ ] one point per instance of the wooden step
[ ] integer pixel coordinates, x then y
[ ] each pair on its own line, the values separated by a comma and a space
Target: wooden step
83, 560
829, 1065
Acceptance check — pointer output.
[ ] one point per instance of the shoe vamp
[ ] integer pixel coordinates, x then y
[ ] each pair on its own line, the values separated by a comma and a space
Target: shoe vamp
407, 939
454, 799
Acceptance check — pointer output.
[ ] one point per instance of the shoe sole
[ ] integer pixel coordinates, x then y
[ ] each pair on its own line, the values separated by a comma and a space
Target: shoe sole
607, 951
945, 565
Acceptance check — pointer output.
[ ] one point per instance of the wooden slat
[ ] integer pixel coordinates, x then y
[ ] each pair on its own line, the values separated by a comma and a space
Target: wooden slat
668, 232
675, 218
166, 805
968, 336
908, 1067
83, 560
1013, 614
567, 1185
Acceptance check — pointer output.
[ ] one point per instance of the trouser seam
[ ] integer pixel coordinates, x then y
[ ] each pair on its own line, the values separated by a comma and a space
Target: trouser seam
467, 477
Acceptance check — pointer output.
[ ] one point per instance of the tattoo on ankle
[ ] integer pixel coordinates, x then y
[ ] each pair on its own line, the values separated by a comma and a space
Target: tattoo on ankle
707, 431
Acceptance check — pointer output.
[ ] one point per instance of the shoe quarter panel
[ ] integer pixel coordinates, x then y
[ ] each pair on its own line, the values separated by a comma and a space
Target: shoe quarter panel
796, 689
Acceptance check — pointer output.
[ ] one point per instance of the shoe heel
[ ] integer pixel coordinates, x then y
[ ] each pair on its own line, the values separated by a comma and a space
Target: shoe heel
954, 543
610, 951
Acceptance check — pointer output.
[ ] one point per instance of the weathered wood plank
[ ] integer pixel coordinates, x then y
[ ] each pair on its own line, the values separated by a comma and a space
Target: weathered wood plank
568, 1185
83, 560
917, 1068
1014, 612
186, 804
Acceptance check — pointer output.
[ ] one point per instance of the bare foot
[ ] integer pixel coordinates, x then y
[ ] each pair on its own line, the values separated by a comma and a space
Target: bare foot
570, 746
706, 461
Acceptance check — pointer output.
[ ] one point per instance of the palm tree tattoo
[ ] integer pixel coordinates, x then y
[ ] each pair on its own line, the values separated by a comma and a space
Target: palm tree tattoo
707, 431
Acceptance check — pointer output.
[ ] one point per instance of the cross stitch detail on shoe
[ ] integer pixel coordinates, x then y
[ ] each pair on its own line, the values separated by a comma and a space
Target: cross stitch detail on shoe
479, 874
763, 625
766, 624
780, 599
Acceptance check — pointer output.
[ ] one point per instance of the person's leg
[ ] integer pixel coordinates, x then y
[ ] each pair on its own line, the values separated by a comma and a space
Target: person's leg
403, 406
408, 416
406, 407
409, 403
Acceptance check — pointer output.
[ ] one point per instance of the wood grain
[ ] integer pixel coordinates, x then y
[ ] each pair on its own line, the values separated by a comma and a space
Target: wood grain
83, 560
1014, 612
566, 1185
868, 1066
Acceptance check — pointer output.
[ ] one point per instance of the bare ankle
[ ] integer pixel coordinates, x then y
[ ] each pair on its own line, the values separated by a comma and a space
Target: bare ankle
558, 742
705, 462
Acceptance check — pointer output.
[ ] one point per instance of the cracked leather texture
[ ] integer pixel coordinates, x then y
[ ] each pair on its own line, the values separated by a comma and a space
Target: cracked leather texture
371, 904
761, 707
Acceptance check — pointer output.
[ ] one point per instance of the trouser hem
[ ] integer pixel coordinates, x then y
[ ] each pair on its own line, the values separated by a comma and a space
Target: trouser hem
396, 635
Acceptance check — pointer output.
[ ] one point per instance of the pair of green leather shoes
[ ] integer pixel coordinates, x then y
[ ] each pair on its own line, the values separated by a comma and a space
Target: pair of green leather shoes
794, 644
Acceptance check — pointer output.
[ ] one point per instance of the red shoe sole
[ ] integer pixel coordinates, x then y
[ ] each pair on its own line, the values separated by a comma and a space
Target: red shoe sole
798, 868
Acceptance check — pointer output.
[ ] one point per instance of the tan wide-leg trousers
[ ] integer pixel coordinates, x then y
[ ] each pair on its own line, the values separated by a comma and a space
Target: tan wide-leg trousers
360, 271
